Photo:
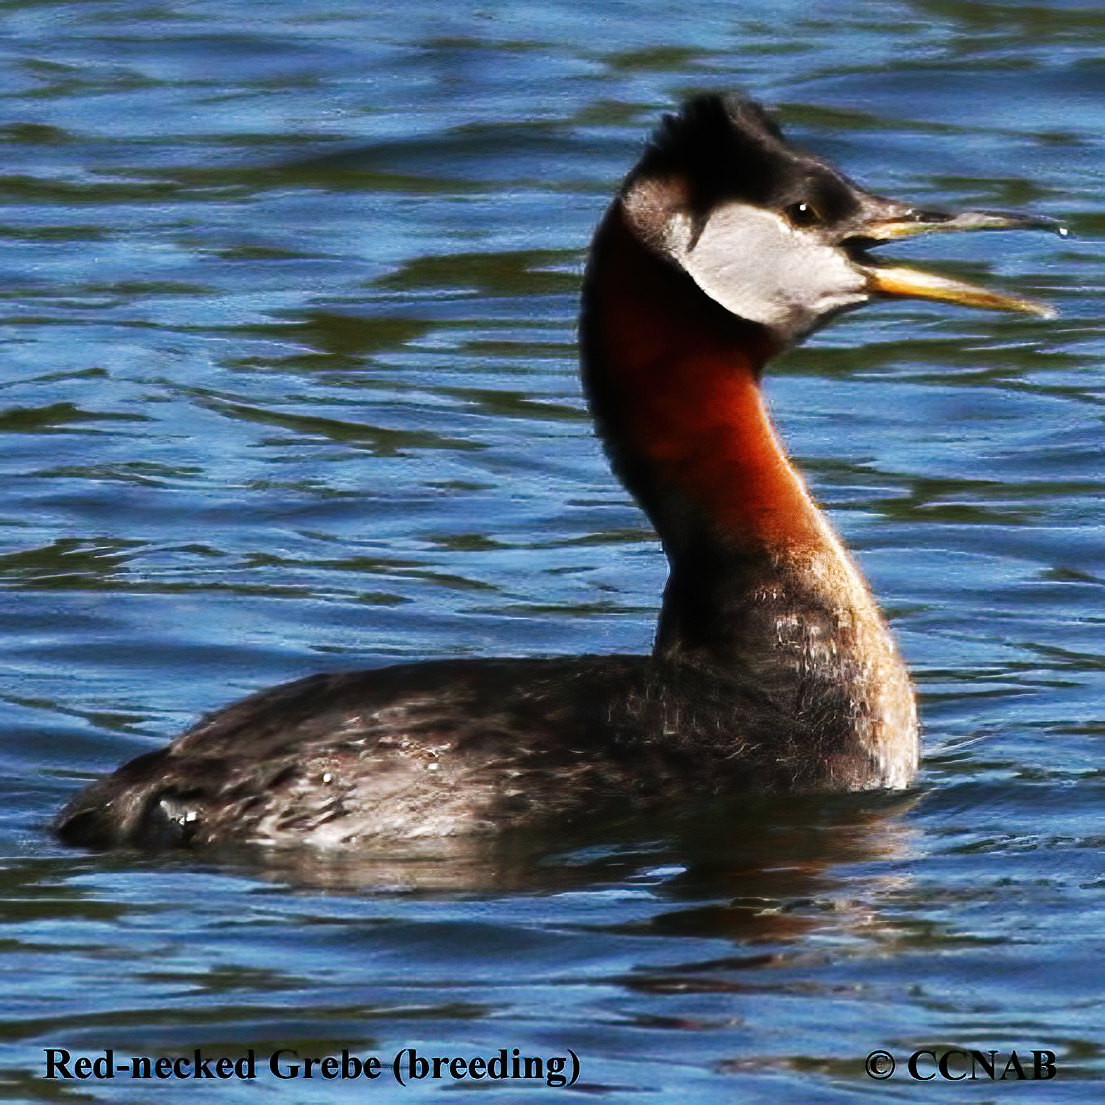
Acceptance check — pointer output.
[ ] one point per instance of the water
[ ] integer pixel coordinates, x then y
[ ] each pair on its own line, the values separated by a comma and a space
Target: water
289, 296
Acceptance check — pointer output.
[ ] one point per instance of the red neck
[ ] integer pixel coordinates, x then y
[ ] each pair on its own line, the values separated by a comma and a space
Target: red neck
760, 593
674, 384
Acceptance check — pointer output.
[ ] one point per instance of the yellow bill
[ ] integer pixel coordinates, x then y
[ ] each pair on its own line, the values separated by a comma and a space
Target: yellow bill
917, 284
893, 222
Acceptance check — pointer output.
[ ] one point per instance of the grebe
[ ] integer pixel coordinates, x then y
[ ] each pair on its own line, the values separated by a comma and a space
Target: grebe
772, 668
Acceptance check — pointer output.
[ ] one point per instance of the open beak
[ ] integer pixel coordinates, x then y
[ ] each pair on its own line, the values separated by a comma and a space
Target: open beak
888, 222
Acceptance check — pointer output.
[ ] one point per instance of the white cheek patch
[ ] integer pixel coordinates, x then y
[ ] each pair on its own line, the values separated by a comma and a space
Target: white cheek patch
759, 267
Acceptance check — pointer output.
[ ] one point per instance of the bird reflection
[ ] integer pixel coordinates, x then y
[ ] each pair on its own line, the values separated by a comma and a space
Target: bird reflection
759, 872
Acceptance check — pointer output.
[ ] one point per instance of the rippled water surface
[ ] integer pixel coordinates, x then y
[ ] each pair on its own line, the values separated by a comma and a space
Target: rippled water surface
289, 384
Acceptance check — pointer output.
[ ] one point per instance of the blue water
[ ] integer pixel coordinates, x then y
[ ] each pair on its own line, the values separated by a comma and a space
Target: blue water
289, 384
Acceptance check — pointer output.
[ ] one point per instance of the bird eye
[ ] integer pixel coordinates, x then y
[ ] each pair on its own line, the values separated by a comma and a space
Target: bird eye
803, 214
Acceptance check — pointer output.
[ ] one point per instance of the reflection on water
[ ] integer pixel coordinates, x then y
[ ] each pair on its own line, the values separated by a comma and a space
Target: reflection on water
289, 385
772, 850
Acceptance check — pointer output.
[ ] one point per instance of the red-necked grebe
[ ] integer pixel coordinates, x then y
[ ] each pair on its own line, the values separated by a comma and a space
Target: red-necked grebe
772, 668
